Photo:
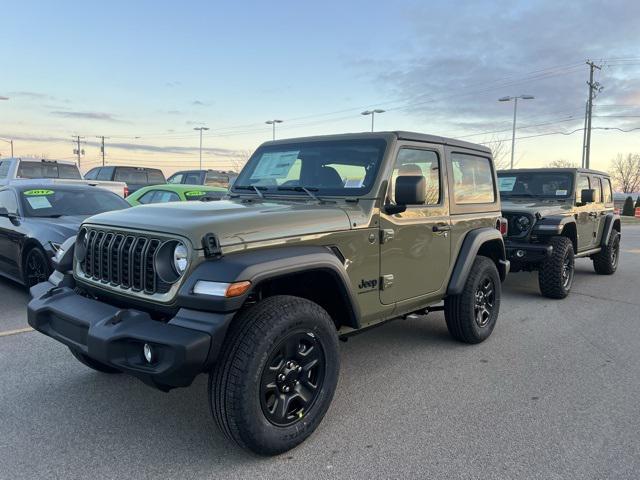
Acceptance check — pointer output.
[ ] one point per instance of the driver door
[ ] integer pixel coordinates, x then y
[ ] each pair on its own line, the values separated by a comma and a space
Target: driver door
584, 220
415, 244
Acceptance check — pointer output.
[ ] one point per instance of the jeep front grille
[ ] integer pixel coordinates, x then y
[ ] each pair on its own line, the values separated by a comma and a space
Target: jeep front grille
122, 259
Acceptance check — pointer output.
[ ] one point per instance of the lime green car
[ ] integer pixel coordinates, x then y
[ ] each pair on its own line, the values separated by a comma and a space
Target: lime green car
174, 193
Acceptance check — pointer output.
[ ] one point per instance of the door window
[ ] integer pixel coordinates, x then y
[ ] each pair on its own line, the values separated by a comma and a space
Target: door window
92, 174
598, 186
472, 179
608, 195
192, 178
425, 163
583, 184
4, 168
105, 173
175, 178
8, 201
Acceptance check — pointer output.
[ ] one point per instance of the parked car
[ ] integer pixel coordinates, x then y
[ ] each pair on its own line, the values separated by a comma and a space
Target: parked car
175, 193
213, 178
54, 171
555, 216
134, 177
36, 218
322, 237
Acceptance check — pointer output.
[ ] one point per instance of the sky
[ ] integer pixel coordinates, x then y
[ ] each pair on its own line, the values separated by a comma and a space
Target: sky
144, 74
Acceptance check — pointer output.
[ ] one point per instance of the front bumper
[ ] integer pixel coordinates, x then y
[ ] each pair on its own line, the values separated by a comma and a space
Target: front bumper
520, 252
185, 346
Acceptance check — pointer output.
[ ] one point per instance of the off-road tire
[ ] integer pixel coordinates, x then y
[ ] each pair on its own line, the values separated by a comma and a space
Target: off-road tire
606, 261
93, 364
550, 276
36, 267
235, 391
460, 310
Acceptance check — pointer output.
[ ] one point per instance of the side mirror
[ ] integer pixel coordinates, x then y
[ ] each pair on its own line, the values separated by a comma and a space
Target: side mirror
587, 195
409, 190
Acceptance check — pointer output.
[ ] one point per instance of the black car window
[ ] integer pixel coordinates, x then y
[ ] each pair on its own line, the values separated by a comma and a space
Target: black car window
92, 174
155, 177
147, 197
57, 202
192, 178
105, 173
8, 201
4, 168
131, 175
163, 196
68, 172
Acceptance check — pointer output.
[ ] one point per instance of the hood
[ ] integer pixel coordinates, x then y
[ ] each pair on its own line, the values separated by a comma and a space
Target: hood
55, 229
543, 207
233, 221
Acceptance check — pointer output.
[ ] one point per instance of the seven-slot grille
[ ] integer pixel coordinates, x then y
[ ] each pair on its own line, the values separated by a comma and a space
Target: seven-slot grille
122, 259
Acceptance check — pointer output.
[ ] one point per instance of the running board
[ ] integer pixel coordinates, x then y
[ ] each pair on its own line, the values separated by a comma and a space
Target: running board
588, 253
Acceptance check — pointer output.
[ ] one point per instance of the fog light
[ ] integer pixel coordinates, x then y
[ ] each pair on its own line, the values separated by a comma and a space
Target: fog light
520, 253
148, 353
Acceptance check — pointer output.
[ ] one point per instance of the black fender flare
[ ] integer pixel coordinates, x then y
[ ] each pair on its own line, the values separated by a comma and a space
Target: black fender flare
609, 222
552, 225
259, 265
471, 245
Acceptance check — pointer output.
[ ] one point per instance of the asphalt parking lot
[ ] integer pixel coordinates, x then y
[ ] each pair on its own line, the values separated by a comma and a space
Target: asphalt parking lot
552, 394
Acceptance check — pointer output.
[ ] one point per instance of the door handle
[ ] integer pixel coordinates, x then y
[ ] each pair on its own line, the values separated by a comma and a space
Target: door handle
441, 228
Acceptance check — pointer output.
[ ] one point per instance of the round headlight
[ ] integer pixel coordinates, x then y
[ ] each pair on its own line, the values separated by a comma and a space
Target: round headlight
524, 222
180, 258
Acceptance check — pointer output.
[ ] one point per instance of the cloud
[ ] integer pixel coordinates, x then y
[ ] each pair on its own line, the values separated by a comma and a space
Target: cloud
32, 95
200, 103
106, 117
486, 51
174, 112
173, 84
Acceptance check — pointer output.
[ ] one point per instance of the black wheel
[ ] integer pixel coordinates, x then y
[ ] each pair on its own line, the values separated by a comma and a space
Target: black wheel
471, 316
93, 364
606, 262
36, 267
276, 375
556, 272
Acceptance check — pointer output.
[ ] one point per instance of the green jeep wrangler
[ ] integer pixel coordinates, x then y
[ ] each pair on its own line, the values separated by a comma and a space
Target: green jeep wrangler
319, 239
556, 215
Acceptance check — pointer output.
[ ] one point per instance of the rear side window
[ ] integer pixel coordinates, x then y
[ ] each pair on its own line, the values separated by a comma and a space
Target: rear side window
472, 179
192, 178
608, 194
69, 172
175, 178
159, 196
105, 173
4, 168
598, 187
155, 176
215, 180
131, 175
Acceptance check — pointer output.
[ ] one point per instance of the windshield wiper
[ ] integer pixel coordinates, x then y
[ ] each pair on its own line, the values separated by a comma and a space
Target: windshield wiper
308, 190
255, 188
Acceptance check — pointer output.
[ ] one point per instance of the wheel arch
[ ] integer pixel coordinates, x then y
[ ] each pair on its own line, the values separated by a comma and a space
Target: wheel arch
27, 246
611, 222
482, 241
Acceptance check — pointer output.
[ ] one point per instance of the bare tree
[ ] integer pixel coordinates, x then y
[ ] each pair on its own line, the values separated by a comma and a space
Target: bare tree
238, 159
625, 172
561, 163
501, 154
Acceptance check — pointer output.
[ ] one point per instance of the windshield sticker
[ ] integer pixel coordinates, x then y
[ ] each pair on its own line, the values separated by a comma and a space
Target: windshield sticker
506, 184
354, 183
195, 193
561, 192
37, 193
275, 165
38, 203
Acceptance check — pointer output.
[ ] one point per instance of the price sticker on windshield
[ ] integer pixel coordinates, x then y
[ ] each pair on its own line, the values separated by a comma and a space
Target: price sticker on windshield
37, 193
38, 203
506, 184
195, 193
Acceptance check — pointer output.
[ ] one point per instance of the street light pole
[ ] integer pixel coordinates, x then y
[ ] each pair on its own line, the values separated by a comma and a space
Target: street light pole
515, 113
373, 114
273, 124
201, 129
10, 142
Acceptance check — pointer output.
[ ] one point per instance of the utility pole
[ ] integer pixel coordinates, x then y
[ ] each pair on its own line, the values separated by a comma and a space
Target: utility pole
201, 129
102, 147
584, 132
594, 89
77, 151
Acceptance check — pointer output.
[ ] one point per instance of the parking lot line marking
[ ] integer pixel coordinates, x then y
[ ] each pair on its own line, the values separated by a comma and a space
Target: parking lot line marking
15, 332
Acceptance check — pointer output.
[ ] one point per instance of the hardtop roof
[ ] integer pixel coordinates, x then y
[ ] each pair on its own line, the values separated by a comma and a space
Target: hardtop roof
553, 169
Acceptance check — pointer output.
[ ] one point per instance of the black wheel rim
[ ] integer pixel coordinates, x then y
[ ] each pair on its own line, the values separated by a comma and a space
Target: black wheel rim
36, 268
292, 378
615, 253
567, 272
485, 298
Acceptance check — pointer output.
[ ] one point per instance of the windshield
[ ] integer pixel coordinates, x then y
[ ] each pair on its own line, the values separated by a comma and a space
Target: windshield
64, 202
340, 167
535, 184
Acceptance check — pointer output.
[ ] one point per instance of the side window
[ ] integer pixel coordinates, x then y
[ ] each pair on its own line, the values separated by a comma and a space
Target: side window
175, 178
105, 173
192, 178
92, 174
608, 194
413, 161
8, 201
472, 179
598, 187
164, 196
583, 184
4, 168
147, 197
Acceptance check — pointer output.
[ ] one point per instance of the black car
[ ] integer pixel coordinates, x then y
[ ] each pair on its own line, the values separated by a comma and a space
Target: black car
134, 177
35, 219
